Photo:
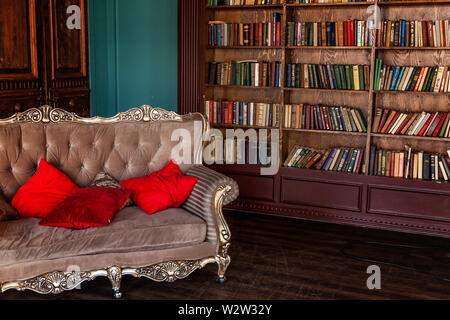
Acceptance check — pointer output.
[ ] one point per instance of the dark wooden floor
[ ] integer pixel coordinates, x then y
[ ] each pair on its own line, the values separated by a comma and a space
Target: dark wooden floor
277, 258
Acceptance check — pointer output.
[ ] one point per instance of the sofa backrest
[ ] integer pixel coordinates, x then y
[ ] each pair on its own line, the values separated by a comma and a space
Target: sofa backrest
124, 146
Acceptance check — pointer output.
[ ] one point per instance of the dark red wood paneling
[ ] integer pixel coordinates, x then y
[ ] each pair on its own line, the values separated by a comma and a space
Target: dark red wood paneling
191, 52
409, 203
247, 190
321, 194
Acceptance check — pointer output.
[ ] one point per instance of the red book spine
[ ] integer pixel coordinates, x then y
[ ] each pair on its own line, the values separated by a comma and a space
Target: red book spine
426, 125
307, 111
358, 166
278, 34
225, 115
316, 119
433, 125
211, 112
231, 107
352, 33
252, 34
345, 33
397, 115
439, 126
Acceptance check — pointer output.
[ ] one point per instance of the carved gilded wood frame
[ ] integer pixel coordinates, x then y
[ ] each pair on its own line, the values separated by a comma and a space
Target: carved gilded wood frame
56, 282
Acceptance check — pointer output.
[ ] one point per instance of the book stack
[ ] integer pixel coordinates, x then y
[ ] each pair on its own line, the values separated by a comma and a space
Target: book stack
245, 34
245, 73
352, 33
325, 1
417, 79
318, 117
347, 160
425, 124
337, 77
414, 33
243, 113
409, 165
213, 3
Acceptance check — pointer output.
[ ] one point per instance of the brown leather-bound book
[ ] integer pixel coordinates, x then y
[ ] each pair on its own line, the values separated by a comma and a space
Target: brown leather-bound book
404, 122
298, 116
392, 122
388, 121
340, 33
322, 161
323, 43
241, 34
383, 119
272, 74
366, 78
246, 35
252, 34
407, 33
314, 160
396, 33
388, 33
430, 33
388, 164
345, 25
409, 123
377, 120
424, 33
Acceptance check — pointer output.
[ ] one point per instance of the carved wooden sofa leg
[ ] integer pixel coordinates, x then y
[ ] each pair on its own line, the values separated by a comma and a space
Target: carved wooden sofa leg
222, 263
115, 276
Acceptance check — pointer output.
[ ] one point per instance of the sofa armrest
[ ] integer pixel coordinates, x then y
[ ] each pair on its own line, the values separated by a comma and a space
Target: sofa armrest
212, 191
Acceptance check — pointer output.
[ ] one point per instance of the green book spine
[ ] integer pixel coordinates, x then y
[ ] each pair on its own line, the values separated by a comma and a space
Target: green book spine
361, 78
348, 78
337, 76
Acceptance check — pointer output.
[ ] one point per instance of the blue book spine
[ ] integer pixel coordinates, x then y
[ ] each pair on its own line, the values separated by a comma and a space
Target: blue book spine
342, 120
394, 78
288, 75
403, 24
218, 35
344, 157
329, 160
319, 118
277, 75
400, 76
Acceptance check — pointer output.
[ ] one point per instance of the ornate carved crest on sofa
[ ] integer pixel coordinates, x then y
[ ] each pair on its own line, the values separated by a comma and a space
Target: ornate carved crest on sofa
133, 143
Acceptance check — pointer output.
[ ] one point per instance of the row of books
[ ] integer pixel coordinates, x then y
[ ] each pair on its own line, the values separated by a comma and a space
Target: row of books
338, 77
417, 79
245, 34
243, 113
425, 124
409, 164
347, 160
214, 3
240, 152
245, 73
319, 117
325, 1
329, 34
404, 33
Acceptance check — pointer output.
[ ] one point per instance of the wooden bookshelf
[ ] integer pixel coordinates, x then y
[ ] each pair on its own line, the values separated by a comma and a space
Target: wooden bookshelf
360, 201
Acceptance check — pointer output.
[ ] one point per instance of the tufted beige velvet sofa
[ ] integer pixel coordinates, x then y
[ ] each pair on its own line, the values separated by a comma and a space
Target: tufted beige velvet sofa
166, 246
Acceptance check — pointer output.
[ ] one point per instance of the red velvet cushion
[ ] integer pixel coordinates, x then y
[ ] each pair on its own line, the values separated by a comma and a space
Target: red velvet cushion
167, 188
87, 208
43, 192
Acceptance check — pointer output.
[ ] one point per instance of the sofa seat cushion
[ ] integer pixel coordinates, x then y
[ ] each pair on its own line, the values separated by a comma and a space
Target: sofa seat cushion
132, 230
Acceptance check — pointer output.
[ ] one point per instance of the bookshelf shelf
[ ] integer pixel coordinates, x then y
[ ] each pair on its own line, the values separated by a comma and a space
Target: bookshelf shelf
392, 136
315, 5
408, 3
243, 47
327, 48
369, 200
361, 134
412, 48
327, 90
411, 92
243, 7
242, 87
238, 126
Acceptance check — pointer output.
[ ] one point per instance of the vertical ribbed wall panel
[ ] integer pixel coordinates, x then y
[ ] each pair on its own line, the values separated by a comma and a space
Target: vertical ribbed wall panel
191, 55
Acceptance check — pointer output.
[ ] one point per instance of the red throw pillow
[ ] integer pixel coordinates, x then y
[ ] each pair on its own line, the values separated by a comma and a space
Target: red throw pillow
43, 192
87, 208
167, 188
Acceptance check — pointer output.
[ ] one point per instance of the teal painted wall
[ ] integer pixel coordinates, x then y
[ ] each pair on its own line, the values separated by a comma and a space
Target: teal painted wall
133, 54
